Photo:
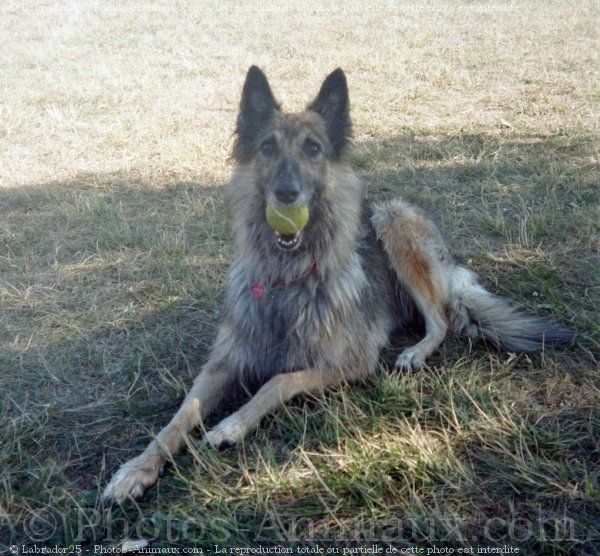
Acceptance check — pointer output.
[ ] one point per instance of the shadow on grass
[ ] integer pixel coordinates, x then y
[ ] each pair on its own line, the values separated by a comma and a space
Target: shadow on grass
111, 290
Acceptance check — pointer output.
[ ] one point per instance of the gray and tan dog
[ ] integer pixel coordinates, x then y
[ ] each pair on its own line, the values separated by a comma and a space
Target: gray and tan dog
312, 309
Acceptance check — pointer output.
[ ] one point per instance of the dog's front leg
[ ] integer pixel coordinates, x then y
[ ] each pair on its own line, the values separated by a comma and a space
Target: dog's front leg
138, 474
275, 392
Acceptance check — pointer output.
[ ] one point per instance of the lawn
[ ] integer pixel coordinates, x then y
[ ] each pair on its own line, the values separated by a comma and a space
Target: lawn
116, 123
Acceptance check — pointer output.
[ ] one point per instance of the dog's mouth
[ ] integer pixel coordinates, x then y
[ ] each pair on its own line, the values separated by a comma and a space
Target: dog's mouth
288, 241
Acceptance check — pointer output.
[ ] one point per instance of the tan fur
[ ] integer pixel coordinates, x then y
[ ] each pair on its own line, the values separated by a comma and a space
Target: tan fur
275, 392
327, 326
138, 474
421, 260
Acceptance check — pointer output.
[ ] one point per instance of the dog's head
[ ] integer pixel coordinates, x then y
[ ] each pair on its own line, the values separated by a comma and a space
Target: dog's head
291, 154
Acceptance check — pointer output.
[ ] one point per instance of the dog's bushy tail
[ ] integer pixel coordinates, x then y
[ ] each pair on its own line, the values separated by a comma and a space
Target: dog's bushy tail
477, 312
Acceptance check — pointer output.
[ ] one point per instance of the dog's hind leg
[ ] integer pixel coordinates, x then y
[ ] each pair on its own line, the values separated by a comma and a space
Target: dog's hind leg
271, 395
421, 261
138, 474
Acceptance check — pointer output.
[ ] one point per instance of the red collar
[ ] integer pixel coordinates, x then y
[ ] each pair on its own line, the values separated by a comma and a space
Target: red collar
258, 289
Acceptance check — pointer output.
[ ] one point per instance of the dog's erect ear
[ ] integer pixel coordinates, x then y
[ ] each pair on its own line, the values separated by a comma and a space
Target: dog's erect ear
333, 105
256, 108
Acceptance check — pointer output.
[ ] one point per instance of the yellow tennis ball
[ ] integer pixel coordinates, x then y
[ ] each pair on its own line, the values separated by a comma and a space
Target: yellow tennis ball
287, 220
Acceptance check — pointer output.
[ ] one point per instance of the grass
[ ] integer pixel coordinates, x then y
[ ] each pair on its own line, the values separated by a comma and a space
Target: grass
114, 243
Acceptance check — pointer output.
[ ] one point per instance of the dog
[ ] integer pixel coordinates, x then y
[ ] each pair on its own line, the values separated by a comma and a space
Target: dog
313, 308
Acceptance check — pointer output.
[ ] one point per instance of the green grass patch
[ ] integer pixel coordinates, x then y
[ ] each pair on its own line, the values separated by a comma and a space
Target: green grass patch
114, 248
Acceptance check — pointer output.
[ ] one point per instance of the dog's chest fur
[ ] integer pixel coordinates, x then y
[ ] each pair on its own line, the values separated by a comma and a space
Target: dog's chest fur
336, 316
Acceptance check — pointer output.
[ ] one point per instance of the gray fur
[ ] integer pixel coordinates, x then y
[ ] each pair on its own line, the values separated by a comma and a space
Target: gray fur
336, 319
482, 314
315, 310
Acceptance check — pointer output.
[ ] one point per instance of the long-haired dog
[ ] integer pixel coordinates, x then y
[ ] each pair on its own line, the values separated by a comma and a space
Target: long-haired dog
310, 305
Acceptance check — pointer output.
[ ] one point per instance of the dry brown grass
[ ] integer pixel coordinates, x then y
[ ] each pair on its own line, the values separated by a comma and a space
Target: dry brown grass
115, 127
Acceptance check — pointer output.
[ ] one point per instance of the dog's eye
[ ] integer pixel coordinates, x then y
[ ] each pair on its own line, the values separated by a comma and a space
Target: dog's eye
311, 148
268, 148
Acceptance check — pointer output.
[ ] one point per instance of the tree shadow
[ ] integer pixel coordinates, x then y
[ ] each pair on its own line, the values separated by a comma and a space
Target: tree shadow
112, 287
110, 296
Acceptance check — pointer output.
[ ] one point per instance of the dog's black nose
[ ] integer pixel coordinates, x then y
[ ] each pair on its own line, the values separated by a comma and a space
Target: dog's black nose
287, 193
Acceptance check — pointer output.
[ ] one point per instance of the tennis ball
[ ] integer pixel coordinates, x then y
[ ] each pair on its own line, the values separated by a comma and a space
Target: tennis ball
287, 220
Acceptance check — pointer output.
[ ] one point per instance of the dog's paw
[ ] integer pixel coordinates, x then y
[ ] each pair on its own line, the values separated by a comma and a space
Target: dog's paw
132, 479
228, 432
409, 360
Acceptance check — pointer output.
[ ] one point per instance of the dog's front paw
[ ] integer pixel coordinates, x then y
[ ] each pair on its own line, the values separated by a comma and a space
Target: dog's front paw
132, 479
227, 433
409, 360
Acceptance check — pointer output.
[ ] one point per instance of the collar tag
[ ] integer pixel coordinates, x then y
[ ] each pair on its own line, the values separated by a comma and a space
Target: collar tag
257, 291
